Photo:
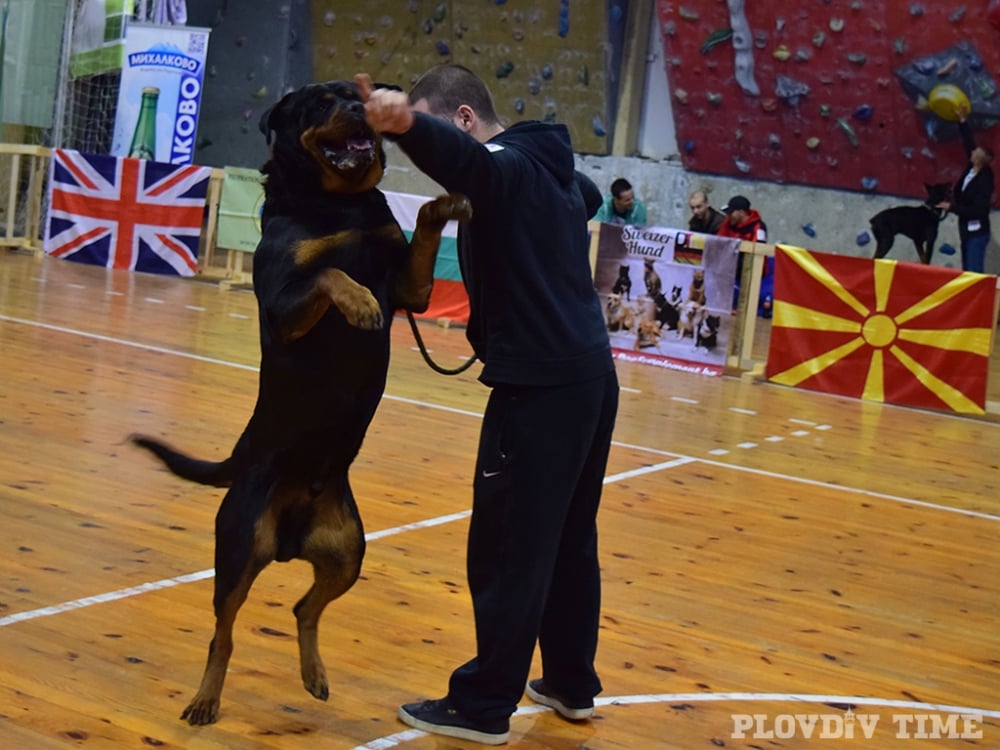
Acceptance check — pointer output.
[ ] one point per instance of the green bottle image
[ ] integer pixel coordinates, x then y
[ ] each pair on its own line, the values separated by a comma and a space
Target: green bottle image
144, 139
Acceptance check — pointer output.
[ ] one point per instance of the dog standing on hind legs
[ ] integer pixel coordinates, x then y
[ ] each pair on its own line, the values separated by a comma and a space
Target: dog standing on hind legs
331, 268
919, 223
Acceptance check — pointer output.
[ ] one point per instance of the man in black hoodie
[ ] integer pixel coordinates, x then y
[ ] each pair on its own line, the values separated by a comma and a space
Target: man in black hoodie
536, 323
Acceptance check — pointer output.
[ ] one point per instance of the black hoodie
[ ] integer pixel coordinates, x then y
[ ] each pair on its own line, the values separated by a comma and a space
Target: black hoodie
535, 318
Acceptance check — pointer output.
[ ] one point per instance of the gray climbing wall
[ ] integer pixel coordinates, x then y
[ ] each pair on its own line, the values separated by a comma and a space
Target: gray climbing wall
257, 50
542, 60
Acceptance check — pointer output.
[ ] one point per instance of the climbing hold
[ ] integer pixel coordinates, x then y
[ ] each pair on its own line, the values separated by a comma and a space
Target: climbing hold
781, 52
863, 112
836, 24
844, 125
715, 38
442, 48
505, 69
869, 183
519, 106
863, 239
688, 147
714, 98
857, 58
546, 71
946, 249
812, 143
809, 229
599, 130
946, 99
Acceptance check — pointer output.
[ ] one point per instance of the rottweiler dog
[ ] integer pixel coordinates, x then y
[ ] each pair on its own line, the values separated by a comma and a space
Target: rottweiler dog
331, 268
919, 223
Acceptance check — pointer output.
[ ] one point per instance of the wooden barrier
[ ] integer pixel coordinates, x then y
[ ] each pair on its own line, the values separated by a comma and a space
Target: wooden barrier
19, 162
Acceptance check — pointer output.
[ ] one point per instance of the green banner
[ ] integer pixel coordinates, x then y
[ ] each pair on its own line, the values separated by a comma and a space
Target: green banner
240, 208
98, 34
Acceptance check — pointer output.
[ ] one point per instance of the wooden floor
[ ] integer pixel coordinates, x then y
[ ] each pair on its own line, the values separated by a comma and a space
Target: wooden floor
767, 551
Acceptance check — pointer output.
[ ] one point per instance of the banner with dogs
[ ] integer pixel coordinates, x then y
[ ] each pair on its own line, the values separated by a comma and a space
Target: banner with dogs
667, 295
881, 330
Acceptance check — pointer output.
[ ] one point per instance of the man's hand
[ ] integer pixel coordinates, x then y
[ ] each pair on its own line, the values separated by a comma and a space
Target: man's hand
385, 110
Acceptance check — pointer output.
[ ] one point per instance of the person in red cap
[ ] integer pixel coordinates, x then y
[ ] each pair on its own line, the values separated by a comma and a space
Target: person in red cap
745, 223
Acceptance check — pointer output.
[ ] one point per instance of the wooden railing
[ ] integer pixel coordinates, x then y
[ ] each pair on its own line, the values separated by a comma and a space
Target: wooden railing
22, 182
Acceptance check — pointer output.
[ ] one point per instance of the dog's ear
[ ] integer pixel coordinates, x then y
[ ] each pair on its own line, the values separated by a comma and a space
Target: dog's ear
270, 121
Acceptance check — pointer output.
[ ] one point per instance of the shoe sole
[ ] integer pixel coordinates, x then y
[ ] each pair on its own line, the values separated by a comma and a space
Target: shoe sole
462, 733
573, 714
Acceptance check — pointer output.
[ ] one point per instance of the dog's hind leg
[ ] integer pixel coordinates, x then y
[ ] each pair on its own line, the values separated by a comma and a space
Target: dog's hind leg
883, 245
204, 707
243, 548
335, 545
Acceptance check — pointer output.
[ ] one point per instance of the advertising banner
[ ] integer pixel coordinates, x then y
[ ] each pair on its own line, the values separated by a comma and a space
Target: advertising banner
98, 28
667, 295
240, 209
160, 93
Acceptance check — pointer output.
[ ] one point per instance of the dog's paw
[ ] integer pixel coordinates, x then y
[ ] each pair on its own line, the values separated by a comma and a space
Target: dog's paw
316, 684
201, 711
361, 310
445, 208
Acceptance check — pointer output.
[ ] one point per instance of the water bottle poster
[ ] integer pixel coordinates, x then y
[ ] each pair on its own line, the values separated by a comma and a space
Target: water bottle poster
160, 95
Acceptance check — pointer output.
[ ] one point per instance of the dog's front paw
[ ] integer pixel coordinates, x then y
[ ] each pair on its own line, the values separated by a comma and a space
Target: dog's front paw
445, 208
361, 309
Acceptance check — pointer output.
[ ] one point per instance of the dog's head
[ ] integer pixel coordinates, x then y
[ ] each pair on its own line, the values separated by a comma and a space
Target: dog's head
319, 140
937, 192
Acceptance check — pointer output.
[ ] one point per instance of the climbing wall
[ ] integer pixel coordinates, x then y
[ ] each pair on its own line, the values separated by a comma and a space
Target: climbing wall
541, 60
851, 94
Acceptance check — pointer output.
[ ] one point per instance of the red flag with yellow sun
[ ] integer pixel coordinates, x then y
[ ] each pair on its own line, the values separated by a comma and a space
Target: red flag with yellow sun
881, 330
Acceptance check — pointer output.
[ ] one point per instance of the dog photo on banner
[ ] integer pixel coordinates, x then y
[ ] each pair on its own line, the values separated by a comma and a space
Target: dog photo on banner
667, 295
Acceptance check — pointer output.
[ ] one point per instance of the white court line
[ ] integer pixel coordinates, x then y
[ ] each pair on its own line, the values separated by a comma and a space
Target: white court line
203, 574
679, 460
400, 738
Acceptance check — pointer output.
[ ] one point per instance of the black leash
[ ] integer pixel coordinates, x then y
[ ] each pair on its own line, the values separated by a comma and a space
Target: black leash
426, 355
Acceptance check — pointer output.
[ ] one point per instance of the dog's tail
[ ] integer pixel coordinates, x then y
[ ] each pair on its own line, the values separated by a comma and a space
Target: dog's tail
215, 473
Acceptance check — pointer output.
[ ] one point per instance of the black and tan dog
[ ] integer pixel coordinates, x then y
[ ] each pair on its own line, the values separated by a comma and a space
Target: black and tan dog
919, 223
331, 268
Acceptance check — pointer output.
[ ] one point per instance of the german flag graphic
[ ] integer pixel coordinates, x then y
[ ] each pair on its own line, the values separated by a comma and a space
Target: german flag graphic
881, 330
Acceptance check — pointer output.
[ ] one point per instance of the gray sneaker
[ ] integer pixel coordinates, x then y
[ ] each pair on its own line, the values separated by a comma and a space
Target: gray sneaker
539, 692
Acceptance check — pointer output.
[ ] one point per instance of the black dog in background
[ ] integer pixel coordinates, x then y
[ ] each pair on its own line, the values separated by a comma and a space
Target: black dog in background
331, 268
919, 223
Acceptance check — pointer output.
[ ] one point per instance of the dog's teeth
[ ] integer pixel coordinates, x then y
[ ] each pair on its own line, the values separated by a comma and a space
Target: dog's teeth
359, 144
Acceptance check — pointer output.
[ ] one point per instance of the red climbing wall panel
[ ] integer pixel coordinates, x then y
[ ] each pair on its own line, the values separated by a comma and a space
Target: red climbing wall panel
842, 88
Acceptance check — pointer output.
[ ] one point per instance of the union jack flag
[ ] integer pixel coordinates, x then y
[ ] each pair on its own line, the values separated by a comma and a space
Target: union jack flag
125, 213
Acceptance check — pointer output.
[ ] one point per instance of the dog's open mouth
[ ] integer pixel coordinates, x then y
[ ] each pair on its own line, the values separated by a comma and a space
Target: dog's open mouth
353, 154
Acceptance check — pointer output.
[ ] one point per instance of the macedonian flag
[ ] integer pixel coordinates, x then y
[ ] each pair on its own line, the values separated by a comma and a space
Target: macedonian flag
881, 330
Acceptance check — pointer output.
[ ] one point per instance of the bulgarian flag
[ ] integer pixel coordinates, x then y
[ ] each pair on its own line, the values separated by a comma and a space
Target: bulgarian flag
448, 297
881, 330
